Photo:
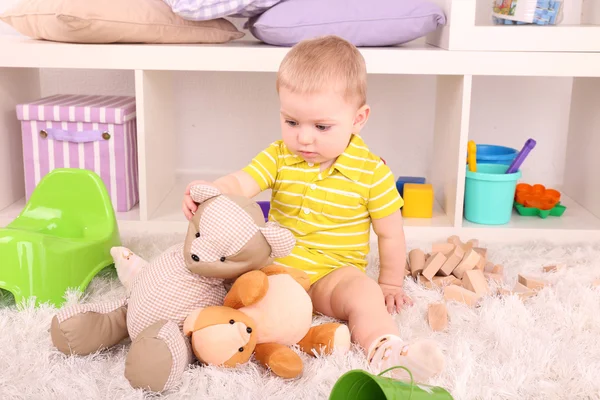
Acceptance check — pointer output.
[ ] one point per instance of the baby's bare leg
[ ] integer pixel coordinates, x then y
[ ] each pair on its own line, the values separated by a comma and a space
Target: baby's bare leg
349, 294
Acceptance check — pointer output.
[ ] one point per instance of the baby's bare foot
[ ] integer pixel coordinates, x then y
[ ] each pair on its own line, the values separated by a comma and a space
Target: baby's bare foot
423, 358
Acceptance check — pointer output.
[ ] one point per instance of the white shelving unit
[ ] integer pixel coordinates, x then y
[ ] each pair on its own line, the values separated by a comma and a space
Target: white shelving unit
469, 27
455, 72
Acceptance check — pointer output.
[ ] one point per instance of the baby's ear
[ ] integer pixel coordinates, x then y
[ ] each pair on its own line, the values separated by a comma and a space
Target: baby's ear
201, 193
281, 240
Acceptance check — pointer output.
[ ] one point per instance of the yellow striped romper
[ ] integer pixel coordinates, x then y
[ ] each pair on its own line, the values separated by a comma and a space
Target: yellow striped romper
329, 212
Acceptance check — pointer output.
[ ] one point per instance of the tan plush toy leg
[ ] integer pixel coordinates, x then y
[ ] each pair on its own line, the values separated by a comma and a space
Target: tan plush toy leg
326, 338
86, 328
248, 289
158, 357
282, 360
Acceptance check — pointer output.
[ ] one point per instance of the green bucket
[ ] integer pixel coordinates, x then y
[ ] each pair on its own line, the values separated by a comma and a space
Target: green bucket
360, 385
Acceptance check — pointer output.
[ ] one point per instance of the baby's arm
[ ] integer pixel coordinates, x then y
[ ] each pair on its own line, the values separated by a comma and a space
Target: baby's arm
237, 183
384, 208
249, 181
392, 249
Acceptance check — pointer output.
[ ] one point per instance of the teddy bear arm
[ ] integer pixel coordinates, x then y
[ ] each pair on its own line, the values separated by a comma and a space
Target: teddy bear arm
325, 338
280, 359
299, 276
248, 289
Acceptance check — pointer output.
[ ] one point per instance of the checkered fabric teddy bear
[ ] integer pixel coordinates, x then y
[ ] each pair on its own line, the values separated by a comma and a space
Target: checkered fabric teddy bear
226, 238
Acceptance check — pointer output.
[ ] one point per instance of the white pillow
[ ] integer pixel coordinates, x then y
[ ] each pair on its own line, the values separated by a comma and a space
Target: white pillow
203, 10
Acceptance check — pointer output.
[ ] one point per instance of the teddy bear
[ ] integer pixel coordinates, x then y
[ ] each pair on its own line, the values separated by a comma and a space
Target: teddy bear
266, 311
226, 238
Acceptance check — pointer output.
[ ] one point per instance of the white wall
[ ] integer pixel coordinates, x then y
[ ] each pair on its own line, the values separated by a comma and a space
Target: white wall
216, 108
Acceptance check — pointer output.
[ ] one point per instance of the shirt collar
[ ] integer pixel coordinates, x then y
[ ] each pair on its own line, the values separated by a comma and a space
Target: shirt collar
352, 161
349, 163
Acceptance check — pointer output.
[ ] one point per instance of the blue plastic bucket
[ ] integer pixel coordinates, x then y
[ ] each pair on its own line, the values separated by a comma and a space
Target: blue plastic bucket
492, 154
489, 194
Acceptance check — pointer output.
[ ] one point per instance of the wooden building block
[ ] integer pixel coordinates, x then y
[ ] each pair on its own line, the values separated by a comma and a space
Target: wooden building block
468, 262
553, 268
441, 281
437, 315
453, 259
482, 259
433, 265
442, 247
494, 277
531, 283
475, 281
417, 261
489, 266
460, 294
523, 291
473, 242
520, 290
421, 280
481, 251
498, 269
455, 240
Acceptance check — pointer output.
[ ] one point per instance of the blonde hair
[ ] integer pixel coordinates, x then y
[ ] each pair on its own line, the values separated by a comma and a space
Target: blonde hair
314, 64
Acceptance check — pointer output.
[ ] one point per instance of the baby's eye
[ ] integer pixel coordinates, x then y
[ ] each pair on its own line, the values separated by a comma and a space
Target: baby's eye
291, 123
322, 128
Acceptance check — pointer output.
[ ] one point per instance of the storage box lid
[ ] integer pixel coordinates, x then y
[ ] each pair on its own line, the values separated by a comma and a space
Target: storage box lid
79, 108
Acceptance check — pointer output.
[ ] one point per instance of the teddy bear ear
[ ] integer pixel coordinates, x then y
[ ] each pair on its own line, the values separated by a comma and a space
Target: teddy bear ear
201, 193
281, 240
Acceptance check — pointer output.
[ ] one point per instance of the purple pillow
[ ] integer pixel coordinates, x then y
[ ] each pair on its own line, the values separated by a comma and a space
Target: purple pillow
361, 22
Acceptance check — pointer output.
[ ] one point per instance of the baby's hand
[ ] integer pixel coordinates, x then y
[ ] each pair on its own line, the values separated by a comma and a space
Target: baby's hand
394, 297
189, 205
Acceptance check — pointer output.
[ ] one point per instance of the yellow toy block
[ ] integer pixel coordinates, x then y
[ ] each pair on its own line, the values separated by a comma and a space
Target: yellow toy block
418, 200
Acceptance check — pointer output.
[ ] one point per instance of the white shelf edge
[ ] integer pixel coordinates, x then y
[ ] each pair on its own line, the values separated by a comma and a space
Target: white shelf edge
20, 52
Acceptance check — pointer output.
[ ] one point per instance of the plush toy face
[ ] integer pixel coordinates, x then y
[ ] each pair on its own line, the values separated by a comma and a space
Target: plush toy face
228, 237
223, 335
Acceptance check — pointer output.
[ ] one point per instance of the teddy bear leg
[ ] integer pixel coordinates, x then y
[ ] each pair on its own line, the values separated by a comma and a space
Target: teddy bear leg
325, 339
158, 357
86, 328
282, 360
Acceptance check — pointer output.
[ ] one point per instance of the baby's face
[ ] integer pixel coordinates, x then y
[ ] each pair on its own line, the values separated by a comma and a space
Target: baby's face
317, 127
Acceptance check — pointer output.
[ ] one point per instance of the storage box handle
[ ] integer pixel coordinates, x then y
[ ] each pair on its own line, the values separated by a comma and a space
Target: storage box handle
77, 137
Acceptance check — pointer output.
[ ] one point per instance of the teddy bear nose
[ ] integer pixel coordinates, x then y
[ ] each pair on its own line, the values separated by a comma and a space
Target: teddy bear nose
244, 331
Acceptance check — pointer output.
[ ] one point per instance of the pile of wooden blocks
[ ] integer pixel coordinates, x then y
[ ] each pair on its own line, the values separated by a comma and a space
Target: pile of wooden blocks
463, 272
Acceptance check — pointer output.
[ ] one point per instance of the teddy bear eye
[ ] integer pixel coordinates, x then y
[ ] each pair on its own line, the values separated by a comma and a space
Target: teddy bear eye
249, 330
195, 258
231, 321
197, 234
222, 259
241, 349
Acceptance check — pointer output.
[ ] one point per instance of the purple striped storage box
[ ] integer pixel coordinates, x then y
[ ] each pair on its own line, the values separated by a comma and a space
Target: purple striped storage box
91, 132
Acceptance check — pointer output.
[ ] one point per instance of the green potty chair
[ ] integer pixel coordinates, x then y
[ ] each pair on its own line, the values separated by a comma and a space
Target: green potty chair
61, 239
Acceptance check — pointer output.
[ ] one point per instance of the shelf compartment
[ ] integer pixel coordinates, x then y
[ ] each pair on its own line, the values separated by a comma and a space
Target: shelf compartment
469, 28
18, 85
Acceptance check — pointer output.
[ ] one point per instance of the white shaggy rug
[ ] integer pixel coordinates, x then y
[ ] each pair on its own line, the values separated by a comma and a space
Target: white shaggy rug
544, 348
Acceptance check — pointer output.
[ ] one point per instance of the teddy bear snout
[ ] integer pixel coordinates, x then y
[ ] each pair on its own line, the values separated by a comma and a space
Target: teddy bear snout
245, 331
